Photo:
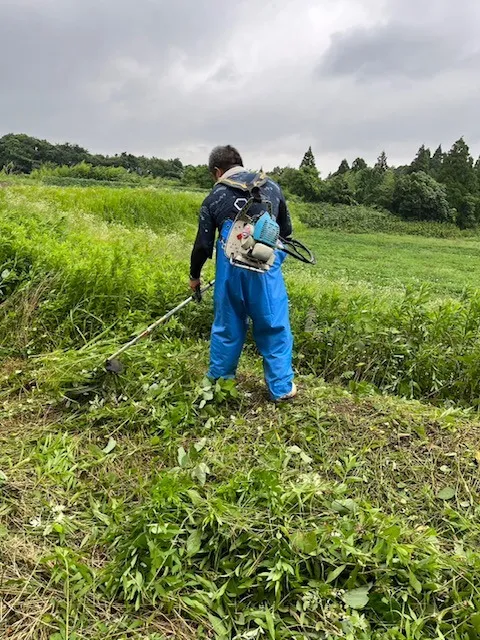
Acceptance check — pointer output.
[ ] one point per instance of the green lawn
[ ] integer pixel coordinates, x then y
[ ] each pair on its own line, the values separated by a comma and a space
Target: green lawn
446, 265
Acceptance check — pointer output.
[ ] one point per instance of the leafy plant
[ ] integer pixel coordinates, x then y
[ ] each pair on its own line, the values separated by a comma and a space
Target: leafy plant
156, 504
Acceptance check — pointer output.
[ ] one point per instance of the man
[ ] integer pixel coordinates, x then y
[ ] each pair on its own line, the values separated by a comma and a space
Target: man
241, 294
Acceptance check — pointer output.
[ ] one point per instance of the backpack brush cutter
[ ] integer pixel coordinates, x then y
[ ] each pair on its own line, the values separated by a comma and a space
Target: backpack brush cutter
251, 243
252, 240
113, 365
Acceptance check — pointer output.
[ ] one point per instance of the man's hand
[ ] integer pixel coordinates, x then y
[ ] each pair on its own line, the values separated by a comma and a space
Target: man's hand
194, 284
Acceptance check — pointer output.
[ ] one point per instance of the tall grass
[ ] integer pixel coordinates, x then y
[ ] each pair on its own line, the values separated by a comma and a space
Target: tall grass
67, 276
155, 504
411, 345
76, 273
87, 175
159, 210
361, 219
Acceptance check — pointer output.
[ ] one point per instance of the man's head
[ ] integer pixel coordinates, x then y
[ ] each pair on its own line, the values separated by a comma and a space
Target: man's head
222, 159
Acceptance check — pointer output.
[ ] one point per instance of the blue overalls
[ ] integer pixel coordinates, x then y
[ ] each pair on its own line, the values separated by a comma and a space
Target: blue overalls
241, 294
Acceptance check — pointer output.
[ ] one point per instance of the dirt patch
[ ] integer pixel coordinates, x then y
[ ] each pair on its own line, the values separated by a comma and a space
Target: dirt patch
10, 365
26, 421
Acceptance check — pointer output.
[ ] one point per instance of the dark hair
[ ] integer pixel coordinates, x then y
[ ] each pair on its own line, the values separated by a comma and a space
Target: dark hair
224, 158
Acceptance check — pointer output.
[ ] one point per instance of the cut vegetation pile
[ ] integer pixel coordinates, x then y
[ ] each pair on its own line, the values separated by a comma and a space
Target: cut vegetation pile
154, 505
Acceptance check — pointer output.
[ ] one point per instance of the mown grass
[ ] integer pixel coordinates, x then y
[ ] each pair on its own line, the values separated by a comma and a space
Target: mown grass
446, 266
151, 505
141, 513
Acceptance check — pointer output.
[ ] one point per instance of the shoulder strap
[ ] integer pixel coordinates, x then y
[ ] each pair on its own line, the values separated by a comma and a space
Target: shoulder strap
252, 181
251, 185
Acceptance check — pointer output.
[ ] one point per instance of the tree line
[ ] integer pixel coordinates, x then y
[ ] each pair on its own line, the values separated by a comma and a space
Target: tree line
20, 153
439, 186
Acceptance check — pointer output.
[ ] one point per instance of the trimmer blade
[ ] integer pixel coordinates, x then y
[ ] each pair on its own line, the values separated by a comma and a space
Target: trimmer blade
114, 366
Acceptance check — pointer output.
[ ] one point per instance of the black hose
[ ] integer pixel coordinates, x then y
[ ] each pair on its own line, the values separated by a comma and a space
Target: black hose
294, 252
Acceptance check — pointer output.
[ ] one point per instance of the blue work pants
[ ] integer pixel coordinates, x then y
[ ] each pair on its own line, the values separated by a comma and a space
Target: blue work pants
239, 295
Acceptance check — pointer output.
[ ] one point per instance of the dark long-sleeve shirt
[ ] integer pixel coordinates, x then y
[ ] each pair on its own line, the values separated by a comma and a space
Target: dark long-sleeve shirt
224, 203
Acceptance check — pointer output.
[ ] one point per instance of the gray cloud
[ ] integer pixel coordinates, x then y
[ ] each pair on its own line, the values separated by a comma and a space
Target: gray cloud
411, 78
395, 50
416, 40
349, 77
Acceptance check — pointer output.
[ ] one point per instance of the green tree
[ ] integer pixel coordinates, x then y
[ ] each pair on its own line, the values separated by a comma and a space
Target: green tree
477, 173
169, 169
24, 153
368, 181
337, 190
301, 182
436, 163
382, 195
382, 163
418, 196
198, 176
422, 160
276, 173
458, 175
468, 214
308, 161
343, 168
71, 154
359, 164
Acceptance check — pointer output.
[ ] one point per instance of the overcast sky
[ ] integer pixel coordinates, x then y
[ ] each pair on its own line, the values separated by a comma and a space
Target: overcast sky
172, 79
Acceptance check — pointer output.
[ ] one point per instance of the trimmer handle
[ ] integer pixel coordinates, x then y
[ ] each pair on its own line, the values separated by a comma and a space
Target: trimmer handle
115, 366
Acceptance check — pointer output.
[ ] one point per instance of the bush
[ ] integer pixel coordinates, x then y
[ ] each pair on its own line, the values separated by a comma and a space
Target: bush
418, 196
361, 219
85, 171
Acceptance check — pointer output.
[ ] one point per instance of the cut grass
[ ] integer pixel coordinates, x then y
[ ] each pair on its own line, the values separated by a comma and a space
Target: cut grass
68, 490
153, 505
446, 266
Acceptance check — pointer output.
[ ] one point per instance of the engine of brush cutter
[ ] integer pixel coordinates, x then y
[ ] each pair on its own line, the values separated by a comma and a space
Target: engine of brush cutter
251, 244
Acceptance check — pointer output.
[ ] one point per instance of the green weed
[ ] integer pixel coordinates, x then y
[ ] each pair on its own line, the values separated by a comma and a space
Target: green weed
156, 504
361, 219
71, 279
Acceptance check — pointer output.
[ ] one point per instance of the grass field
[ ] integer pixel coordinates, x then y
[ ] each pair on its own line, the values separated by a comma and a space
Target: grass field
445, 266
152, 505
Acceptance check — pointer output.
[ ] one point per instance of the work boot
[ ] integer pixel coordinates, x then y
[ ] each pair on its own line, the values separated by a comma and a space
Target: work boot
288, 396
